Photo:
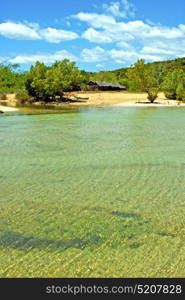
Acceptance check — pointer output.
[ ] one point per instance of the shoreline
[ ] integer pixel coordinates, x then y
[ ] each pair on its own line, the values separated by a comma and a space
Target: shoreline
4, 109
127, 99
171, 103
99, 99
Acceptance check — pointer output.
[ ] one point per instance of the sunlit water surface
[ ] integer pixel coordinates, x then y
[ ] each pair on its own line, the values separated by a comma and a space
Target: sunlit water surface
93, 193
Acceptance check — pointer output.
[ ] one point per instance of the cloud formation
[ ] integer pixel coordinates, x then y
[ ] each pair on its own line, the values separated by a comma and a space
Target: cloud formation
134, 38
114, 31
18, 31
121, 9
114, 34
53, 35
42, 57
32, 31
95, 36
96, 54
96, 20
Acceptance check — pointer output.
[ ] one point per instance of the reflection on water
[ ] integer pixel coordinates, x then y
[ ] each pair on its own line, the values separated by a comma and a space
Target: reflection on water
92, 193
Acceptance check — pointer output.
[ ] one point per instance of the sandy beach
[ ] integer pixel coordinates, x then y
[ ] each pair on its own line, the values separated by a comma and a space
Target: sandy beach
94, 99
108, 98
123, 99
5, 109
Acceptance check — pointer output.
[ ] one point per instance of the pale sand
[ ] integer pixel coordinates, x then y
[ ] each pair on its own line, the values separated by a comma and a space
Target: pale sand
107, 98
11, 100
123, 99
93, 99
7, 109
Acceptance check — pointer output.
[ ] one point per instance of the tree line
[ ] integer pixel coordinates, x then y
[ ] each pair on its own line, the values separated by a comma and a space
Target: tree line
50, 83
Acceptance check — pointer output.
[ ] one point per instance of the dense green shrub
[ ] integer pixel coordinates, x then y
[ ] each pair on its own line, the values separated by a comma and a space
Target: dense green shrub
49, 83
174, 84
103, 76
170, 94
143, 77
138, 76
124, 82
10, 80
152, 94
22, 96
180, 92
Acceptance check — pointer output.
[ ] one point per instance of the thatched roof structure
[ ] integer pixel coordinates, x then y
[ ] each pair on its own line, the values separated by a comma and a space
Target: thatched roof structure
103, 85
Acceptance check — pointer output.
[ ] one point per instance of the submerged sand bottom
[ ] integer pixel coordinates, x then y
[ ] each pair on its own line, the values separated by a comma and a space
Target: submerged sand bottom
93, 193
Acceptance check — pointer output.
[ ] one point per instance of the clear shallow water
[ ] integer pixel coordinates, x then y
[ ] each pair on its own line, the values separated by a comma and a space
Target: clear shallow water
94, 193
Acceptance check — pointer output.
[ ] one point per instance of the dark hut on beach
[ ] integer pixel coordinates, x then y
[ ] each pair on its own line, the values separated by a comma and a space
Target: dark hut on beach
105, 86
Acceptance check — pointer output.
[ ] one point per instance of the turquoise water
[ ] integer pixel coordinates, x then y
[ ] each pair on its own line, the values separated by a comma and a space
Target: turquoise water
93, 193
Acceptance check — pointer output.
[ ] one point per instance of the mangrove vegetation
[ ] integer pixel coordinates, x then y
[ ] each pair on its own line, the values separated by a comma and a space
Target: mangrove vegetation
52, 83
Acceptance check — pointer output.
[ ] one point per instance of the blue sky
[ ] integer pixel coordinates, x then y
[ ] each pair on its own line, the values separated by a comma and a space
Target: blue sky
98, 35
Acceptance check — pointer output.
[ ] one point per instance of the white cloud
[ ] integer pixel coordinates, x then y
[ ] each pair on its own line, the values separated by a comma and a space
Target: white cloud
116, 32
182, 27
122, 56
99, 66
96, 54
18, 31
164, 33
135, 28
182, 55
124, 45
127, 57
121, 9
3, 59
130, 8
166, 49
53, 35
136, 38
113, 31
114, 9
95, 36
150, 57
32, 25
154, 50
32, 31
130, 40
96, 20
45, 57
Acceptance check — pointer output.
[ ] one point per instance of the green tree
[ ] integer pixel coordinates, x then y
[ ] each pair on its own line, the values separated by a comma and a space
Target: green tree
145, 78
46, 83
138, 76
180, 91
124, 82
10, 80
174, 84
104, 76
35, 82
70, 76
152, 94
